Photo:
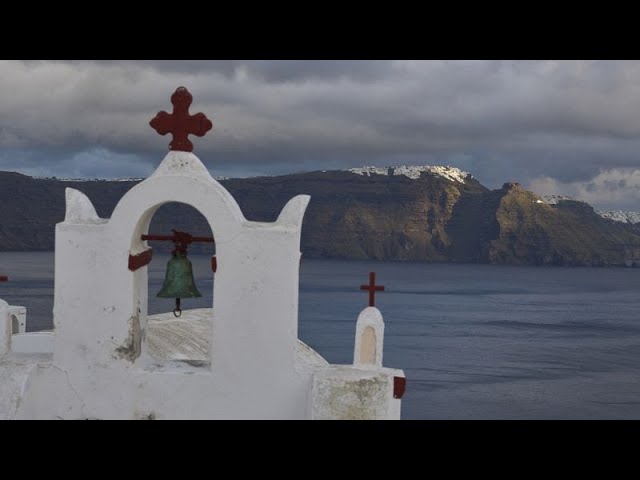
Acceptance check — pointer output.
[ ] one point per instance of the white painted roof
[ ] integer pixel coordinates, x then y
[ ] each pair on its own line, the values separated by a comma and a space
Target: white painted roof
187, 338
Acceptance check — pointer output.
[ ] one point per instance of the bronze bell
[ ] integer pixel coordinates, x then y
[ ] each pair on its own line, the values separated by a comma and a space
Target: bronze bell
179, 282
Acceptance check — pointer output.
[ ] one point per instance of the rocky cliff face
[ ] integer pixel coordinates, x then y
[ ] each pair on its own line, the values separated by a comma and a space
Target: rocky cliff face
379, 216
402, 213
567, 233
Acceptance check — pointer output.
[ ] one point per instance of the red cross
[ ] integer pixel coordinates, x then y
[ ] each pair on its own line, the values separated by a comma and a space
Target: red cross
179, 123
373, 288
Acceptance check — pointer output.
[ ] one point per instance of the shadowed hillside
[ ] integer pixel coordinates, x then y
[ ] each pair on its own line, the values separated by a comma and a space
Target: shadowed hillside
421, 216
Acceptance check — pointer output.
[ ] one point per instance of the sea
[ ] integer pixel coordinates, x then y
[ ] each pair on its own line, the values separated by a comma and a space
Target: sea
475, 341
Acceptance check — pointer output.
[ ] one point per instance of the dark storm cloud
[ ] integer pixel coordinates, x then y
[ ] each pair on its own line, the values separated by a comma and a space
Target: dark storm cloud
570, 126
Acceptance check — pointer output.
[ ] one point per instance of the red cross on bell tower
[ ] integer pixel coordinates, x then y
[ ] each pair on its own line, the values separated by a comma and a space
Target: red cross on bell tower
372, 288
179, 123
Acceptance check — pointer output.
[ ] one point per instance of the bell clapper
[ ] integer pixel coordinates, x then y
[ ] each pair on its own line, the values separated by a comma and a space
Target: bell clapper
177, 312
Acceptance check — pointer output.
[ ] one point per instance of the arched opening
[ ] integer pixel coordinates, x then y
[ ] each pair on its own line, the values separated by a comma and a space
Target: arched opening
186, 337
15, 325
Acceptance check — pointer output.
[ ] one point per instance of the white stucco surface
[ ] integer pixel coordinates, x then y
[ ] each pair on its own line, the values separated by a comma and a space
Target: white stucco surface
187, 338
344, 392
34, 342
364, 390
5, 328
14, 372
110, 360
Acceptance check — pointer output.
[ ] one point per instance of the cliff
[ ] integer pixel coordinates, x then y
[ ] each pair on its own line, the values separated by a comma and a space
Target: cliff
404, 213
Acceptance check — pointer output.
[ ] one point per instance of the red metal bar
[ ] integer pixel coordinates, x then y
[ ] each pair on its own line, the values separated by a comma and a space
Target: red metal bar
181, 240
141, 260
174, 238
168, 238
203, 239
399, 386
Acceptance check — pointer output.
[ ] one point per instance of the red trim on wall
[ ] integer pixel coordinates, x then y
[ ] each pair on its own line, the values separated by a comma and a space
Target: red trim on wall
399, 386
141, 260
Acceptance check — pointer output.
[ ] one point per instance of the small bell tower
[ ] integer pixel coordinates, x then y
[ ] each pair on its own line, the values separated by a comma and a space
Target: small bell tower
99, 366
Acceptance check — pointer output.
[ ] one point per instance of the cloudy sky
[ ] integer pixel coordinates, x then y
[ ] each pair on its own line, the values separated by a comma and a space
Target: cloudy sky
564, 127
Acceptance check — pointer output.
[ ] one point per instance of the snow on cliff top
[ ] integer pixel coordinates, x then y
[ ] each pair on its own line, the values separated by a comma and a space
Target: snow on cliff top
117, 179
69, 179
554, 199
615, 215
450, 173
620, 216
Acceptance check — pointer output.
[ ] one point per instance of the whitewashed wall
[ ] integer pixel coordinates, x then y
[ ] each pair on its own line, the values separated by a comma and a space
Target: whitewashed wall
100, 367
